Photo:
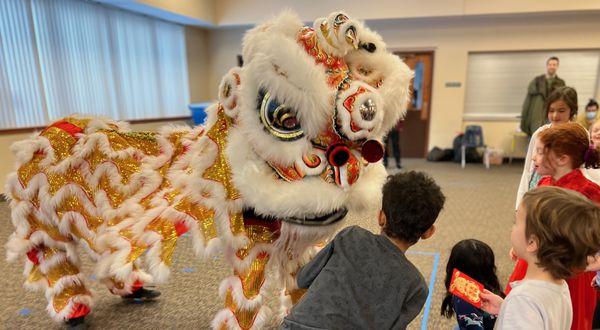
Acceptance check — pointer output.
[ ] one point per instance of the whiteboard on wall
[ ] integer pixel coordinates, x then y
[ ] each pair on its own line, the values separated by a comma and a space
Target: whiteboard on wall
496, 83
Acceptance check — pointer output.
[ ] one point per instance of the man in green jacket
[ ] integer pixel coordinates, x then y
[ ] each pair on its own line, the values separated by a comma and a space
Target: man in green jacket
533, 115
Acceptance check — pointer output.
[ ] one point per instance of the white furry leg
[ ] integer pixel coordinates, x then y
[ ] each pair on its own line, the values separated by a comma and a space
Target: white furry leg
66, 289
135, 280
244, 297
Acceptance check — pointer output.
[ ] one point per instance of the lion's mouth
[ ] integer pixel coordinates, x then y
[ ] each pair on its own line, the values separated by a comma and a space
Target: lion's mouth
322, 220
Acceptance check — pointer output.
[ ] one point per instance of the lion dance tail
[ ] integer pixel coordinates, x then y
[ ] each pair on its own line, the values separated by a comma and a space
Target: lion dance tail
88, 181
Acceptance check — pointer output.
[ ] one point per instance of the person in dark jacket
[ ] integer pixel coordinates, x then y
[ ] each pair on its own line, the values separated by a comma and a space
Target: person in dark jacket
533, 115
393, 138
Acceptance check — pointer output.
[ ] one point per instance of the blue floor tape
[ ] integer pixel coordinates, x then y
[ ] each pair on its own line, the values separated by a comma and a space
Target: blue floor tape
436, 261
25, 312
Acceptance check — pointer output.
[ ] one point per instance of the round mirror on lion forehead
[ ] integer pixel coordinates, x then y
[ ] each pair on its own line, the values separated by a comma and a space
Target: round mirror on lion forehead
358, 110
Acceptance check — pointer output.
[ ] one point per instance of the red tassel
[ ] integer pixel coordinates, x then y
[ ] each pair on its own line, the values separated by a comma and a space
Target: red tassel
79, 310
181, 228
32, 256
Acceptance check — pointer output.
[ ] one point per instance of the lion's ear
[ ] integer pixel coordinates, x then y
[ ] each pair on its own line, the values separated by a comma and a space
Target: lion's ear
229, 90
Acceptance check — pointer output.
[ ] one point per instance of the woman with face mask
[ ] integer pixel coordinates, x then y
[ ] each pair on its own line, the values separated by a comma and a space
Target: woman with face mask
590, 115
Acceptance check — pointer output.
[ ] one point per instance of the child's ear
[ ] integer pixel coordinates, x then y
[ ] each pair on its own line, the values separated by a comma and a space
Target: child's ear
429, 232
532, 244
563, 160
382, 220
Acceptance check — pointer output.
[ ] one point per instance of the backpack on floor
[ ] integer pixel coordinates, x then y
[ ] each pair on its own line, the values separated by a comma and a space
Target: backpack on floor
440, 155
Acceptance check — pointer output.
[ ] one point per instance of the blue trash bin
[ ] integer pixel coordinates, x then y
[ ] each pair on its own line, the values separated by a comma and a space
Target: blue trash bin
198, 112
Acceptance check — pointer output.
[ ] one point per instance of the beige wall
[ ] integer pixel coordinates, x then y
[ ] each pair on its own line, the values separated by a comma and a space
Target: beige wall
198, 60
203, 10
452, 39
7, 163
248, 12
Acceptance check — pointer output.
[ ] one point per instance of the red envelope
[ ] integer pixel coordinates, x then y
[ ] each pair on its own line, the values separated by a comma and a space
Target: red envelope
466, 288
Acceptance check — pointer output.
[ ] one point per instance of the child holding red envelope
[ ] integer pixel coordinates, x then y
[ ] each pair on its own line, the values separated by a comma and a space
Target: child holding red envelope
473, 261
556, 230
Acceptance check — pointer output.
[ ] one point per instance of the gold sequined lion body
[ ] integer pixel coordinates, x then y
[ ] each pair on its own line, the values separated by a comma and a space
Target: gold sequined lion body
292, 145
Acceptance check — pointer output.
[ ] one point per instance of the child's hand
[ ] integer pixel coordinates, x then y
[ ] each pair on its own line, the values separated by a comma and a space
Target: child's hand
595, 284
490, 302
512, 255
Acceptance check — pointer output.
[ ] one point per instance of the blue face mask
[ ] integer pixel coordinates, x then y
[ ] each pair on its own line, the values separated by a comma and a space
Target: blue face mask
591, 115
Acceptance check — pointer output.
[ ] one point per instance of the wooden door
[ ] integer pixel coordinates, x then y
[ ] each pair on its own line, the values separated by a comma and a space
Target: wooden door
415, 133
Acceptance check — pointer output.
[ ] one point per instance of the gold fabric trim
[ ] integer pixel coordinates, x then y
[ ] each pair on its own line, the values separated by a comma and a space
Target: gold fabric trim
143, 141
236, 223
61, 300
254, 278
29, 169
203, 215
245, 318
59, 180
61, 270
169, 238
35, 275
53, 232
136, 249
256, 234
115, 197
220, 170
72, 204
296, 295
61, 142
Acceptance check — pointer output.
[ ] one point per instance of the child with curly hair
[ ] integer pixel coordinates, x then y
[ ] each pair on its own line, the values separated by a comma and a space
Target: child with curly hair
362, 280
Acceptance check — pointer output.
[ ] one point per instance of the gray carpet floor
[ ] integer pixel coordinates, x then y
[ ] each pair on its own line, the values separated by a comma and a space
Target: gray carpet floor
480, 204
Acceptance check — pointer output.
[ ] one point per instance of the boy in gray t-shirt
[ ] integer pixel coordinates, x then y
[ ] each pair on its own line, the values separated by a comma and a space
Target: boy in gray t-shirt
364, 281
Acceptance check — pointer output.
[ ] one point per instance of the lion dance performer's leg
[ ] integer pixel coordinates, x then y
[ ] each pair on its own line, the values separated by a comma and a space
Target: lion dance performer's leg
295, 247
52, 264
67, 294
245, 291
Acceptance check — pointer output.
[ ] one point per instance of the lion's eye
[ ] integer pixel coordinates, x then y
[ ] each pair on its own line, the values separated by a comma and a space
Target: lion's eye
279, 119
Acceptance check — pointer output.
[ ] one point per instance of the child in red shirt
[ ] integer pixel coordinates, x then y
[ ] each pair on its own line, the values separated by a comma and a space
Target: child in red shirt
559, 153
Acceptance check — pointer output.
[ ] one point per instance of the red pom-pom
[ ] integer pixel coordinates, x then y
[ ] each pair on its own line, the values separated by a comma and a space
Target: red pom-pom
372, 151
79, 310
32, 255
338, 155
181, 228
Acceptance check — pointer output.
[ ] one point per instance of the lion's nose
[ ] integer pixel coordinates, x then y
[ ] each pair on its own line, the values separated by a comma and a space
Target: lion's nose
338, 155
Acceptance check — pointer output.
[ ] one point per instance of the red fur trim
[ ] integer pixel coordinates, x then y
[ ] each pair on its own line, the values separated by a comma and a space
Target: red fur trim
79, 310
181, 228
32, 255
137, 285
67, 127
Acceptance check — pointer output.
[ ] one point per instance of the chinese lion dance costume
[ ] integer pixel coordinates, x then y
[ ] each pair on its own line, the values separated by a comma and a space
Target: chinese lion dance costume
292, 145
